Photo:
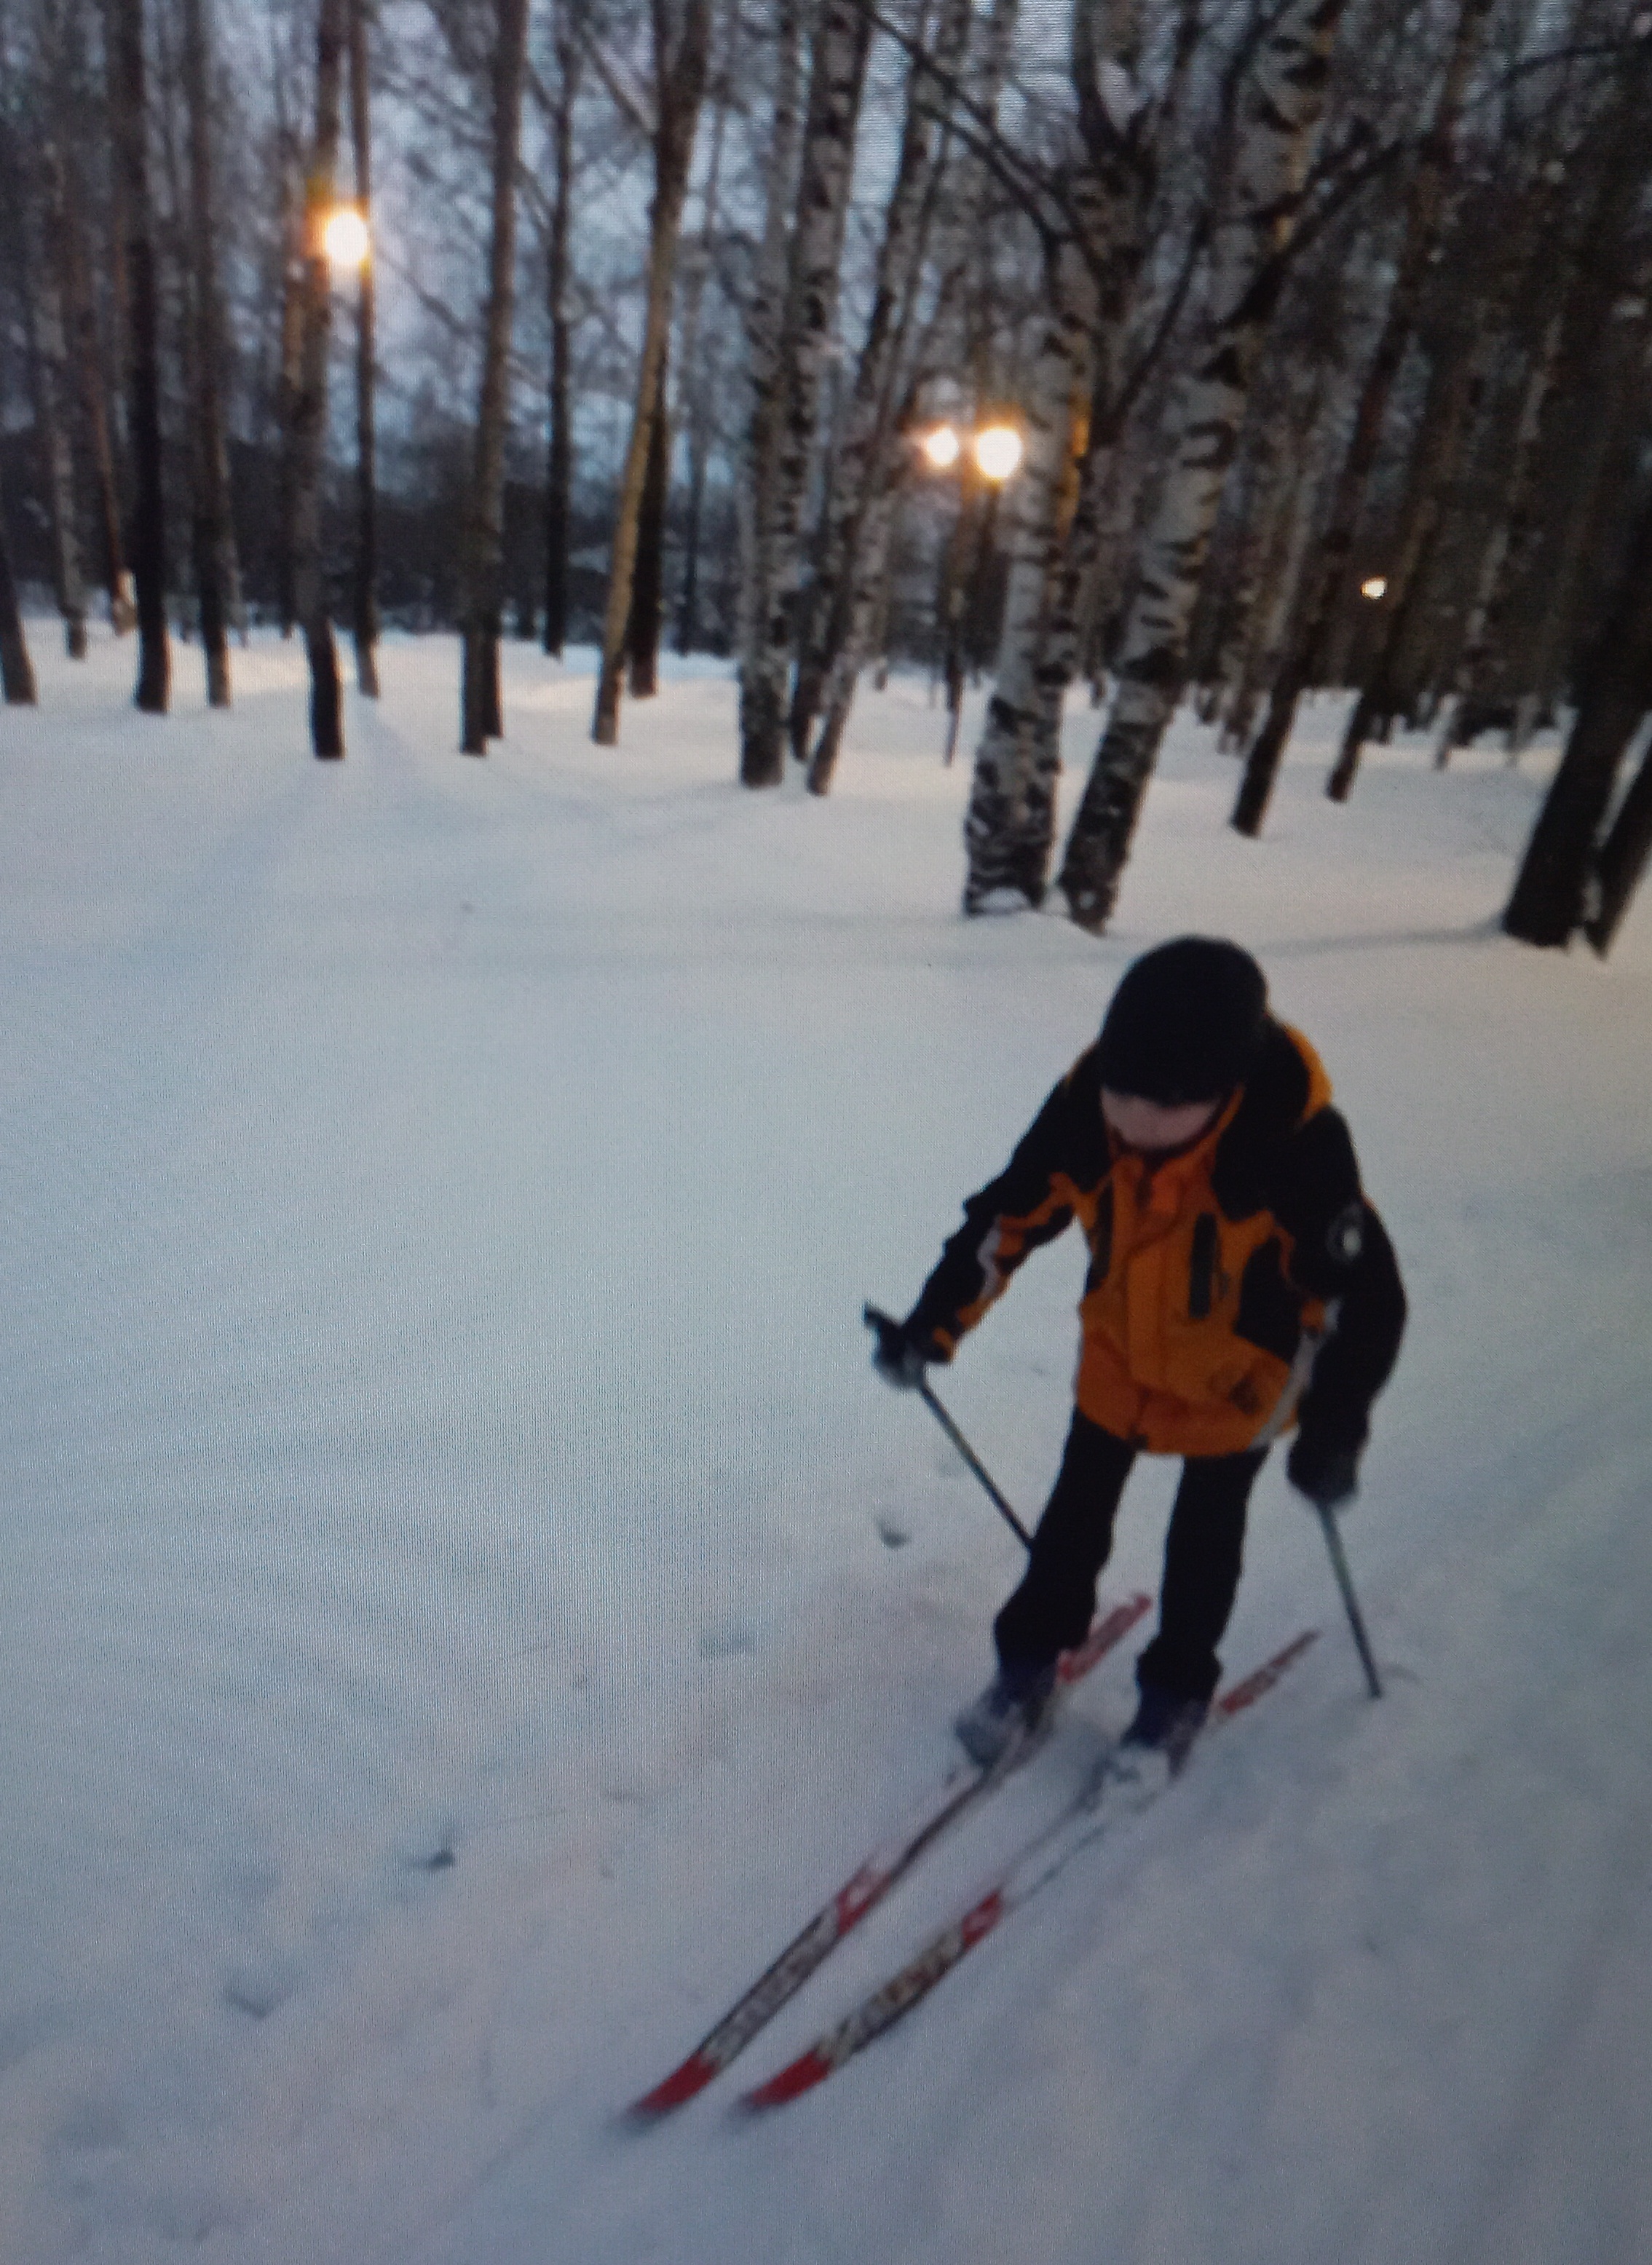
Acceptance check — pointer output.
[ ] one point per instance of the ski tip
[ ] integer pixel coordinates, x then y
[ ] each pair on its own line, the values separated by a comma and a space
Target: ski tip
683, 2084
797, 2077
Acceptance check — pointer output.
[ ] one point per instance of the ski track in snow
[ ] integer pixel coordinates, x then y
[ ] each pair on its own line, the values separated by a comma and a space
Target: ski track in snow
448, 1644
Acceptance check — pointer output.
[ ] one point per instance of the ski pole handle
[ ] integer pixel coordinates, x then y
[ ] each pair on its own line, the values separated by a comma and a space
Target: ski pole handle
875, 1320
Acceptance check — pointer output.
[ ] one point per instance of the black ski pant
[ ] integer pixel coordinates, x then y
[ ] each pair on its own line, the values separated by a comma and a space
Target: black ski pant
1203, 1551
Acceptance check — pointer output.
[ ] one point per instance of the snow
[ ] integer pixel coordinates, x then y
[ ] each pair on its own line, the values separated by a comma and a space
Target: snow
467, 1598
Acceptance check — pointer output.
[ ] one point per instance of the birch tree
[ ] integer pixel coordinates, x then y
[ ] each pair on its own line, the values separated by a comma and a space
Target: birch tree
212, 538
681, 56
1550, 899
698, 366
1280, 105
860, 497
1094, 226
52, 390
765, 319
791, 393
558, 278
17, 671
364, 606
129, 115
1424, 206
481, 717
309, 406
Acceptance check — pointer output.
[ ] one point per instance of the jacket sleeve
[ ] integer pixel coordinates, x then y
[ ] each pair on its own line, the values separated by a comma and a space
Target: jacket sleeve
1341, 1251
1030, 1202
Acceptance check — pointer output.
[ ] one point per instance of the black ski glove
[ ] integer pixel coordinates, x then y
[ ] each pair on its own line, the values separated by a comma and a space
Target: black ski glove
902, 1354
1327, 1474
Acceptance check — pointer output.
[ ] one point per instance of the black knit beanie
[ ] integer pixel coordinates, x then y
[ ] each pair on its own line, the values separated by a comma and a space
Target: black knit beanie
1185, 1023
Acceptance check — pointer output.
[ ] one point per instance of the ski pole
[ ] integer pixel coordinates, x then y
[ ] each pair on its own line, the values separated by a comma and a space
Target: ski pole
1295, 1384
1350, 1603
874, 1319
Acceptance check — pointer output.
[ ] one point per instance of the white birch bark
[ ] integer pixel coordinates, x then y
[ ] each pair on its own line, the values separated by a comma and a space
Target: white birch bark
1039, 503
837, 78
765, 312
1280, 108
859, 512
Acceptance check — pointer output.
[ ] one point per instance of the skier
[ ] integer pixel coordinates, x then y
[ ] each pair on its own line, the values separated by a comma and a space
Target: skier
1218, 1192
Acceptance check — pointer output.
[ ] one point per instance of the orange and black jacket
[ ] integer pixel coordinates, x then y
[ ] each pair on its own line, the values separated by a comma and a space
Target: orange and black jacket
1206, 1270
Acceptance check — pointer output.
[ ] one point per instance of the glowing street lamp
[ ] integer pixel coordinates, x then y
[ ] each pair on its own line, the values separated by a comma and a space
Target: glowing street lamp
998, 450
942, 447
1374, 586
346, 241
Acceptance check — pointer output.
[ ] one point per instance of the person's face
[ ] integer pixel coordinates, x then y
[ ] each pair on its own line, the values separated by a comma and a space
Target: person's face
1152, 1129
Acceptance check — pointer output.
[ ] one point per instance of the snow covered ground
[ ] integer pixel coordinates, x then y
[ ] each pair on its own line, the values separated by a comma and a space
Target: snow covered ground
465, 1596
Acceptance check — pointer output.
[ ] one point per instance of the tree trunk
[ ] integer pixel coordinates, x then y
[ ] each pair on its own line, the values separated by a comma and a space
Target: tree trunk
365, 609
51, 356
1057, 396
1595, 401
17, 671
694, 386
1454, 386
842, 41
1280, 108
1304, 655
1480, 630
1549, 899
310, 407
211, 519
130, 114
863, 469
679, 84
558, 278
295, 288
765, 319
1623, 859
87, 354
648, 579
481, 712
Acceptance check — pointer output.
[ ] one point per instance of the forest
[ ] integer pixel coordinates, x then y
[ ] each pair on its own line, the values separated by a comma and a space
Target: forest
1137, 352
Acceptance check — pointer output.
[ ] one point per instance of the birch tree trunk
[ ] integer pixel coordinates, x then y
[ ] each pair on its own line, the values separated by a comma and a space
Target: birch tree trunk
1623, 859
1280, 108
1000, 866
17, 672
52, 395
365, 609
558, 278
680, 84
1480, 629
764, 319
309, 406
1454, 389
695, 382
842, 41
862, 471
648, 577
1424, 203
1549, 899
129, 112
481, 713
296, 287
87, 354
211, 532
1091, 262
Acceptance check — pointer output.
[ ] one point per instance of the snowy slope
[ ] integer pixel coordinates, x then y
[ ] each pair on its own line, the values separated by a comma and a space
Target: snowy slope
448, 1644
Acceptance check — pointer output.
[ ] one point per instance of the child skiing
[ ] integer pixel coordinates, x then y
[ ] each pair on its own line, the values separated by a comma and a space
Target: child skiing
1218, 1192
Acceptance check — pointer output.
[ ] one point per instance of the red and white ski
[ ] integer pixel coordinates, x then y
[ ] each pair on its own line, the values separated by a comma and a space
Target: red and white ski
1119, 1787
867, 1887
